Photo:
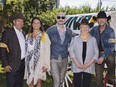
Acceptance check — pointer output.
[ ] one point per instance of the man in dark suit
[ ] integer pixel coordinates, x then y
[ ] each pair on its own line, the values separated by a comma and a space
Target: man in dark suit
13, 57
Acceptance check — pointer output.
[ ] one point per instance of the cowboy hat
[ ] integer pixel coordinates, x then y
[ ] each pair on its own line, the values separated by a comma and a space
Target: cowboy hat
102, 14
16, 16
85, 22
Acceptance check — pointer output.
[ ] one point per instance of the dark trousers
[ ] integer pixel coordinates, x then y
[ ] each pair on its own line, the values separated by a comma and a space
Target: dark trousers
15, 78
99, 69
82, 79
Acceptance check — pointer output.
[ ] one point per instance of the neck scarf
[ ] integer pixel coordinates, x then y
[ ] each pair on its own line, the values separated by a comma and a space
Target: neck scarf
33, 55
85, 36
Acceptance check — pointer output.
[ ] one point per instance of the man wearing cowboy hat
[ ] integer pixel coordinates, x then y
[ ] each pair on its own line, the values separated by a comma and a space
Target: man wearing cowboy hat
13, 60
104, 35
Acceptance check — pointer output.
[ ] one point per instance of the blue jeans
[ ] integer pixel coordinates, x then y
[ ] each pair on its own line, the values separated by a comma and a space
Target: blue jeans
58, 71
82, 79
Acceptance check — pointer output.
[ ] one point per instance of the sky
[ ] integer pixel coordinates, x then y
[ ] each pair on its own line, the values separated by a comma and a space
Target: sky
92, 3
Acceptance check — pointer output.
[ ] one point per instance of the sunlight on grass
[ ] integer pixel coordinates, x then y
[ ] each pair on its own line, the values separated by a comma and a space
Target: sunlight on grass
1, 69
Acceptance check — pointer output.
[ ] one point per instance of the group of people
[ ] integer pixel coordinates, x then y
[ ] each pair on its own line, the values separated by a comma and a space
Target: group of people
31, 55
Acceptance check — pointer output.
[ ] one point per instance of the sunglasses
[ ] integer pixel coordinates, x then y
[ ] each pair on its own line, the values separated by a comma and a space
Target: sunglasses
60, 17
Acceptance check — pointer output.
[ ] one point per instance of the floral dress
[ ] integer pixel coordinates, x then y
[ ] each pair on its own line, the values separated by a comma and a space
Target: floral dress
32, 57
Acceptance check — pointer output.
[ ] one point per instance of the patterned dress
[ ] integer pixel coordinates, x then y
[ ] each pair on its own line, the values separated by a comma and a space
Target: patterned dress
32, 57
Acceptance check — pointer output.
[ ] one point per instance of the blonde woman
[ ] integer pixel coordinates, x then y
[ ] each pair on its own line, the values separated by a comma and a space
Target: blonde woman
37, 61
84, 53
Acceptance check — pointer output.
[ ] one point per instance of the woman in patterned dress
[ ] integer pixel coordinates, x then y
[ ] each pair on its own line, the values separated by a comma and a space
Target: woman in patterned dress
37, 61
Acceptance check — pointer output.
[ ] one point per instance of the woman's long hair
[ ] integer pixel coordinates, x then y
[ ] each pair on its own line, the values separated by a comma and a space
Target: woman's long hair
31, 27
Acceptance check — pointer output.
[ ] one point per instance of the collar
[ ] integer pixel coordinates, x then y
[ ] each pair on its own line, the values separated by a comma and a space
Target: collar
59, 29
16, 30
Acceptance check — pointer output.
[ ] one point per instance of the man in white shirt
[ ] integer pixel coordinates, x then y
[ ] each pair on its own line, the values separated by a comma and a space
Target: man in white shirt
13, 60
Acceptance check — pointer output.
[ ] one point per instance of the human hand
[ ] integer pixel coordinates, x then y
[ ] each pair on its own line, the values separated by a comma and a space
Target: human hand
7, 68
85, 66
44, 69
80, 66
100, 60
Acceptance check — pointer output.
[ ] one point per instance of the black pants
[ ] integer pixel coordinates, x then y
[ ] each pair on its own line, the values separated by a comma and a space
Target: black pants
82, 79
15, 78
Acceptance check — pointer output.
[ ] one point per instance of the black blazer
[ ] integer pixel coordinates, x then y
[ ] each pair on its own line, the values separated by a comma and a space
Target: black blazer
13, 57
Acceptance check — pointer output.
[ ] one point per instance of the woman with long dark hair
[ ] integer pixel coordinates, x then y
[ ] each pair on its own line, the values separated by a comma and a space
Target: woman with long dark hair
37, 61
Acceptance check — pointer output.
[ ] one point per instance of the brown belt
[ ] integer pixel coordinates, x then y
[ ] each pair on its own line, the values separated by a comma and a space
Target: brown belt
101, 51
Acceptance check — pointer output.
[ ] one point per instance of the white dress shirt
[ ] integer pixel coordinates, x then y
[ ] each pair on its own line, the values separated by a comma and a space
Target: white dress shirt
21, 40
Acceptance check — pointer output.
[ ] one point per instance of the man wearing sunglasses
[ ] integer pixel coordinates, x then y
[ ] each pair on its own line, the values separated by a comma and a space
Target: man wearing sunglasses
60, 37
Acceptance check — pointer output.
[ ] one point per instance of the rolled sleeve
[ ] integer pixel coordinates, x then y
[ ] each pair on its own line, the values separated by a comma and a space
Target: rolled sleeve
95, 57
71, 49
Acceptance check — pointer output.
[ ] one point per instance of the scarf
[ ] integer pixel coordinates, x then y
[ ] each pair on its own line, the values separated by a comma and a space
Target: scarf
85, 36
35, 53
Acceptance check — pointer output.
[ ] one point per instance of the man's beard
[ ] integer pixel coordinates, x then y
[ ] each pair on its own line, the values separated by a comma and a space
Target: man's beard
61, 24
103, 25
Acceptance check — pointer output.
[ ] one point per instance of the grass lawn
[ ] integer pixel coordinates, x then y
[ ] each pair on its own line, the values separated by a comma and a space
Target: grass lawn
47, 83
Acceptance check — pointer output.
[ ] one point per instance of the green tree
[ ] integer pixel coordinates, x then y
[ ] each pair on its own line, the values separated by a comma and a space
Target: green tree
29, 8
45, 9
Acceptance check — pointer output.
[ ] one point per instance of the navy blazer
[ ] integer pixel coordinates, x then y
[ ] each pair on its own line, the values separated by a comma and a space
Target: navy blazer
13, 57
